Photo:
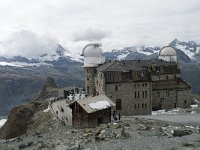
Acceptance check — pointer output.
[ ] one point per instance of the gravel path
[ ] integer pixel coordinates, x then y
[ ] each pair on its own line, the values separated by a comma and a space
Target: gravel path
183, 119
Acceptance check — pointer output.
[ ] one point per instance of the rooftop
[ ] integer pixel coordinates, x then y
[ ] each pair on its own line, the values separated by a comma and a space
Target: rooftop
132, 65
96, 103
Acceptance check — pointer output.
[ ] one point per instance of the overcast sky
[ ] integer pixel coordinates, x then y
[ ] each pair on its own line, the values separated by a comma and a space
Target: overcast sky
32, 27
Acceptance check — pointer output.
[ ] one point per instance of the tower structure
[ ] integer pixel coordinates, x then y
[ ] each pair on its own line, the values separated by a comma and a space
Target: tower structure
168, 53
92, 58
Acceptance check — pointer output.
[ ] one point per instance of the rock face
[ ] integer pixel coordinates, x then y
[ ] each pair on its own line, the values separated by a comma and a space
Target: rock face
17, 122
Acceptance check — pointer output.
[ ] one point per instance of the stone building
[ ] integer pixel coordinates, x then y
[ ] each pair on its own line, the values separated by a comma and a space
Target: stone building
91, 111
136, 86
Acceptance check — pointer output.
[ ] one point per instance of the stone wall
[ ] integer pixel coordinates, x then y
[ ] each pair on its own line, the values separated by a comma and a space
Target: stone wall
131, 103
184, 98
173, 98
100, 83
90, 80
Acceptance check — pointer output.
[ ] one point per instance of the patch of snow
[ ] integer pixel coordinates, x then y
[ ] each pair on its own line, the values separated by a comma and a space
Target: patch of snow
99, 105
164, 112
21, 64
9, 64
146, 53
47, 110
186, 51
193, 112
198, 50
74, 56
49, 57
194, 106
196, 101
189, 127
2, 122
122, 56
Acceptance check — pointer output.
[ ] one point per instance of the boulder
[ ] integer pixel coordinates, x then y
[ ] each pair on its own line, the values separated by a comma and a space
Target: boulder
17, 122
181, 132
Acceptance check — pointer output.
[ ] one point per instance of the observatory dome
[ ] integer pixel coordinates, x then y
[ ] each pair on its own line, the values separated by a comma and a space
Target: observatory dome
92, 50
168, 54
167, 51
92, 55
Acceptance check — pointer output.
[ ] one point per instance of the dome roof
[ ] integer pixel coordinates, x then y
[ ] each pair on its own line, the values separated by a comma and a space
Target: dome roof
167, 51
92, 50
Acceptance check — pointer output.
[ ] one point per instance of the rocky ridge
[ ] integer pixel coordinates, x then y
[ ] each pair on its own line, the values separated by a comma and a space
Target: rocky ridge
134, 133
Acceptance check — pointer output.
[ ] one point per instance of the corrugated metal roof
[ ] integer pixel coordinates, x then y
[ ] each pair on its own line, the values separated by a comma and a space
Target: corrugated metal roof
84, 103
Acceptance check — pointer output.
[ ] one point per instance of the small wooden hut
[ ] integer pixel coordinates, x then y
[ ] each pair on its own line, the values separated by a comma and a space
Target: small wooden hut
92, 111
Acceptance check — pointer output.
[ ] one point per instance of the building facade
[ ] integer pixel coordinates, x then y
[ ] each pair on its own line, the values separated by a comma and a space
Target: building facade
139, 86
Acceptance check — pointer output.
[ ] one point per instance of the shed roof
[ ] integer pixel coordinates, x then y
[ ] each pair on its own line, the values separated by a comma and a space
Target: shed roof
88, 103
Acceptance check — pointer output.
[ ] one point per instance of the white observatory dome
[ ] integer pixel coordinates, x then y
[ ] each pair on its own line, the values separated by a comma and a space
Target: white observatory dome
167, 51
168, 54
92, 55
92, 51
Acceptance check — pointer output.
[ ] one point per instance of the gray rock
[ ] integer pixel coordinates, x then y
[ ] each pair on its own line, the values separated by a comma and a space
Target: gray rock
181, 132
22, 146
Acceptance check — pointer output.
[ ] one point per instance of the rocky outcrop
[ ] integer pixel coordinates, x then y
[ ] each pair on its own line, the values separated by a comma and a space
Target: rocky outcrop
17, 122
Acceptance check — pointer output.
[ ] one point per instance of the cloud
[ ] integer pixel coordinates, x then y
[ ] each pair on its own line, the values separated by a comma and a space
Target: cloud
131, 22
90, 34
26, 43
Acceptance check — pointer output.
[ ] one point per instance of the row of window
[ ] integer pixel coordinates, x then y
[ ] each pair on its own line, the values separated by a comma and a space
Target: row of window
166, 94
143, 94
143, 105
119, 87
137, 106
143, 85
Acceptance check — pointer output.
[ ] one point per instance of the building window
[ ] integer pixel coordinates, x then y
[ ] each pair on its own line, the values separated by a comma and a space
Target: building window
145, 84
167, 77
145, 94
185, 102
135, 95
138, 106
142, 94
116, 88
142, 84
88, 89
145, 105
138, 94
126, 75
167, 93
142, 105
118, 104
158, 94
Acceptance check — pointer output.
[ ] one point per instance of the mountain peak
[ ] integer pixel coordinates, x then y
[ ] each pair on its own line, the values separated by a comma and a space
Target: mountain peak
60, 50
174, 42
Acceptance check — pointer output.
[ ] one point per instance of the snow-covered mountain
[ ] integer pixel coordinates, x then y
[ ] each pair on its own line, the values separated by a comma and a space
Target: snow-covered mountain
187, 52
44, 59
